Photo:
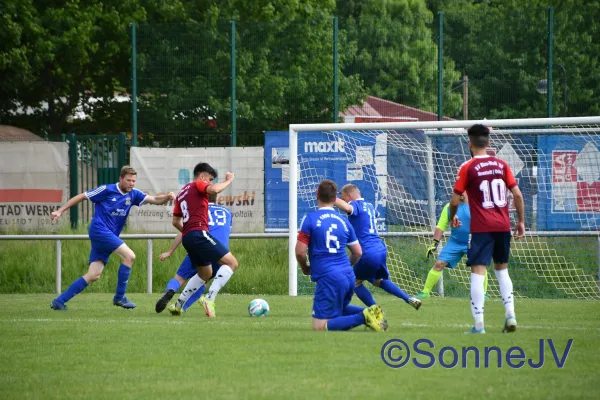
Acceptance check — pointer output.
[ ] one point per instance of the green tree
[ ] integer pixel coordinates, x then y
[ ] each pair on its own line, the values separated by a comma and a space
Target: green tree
55, 56
391, 46
502, 47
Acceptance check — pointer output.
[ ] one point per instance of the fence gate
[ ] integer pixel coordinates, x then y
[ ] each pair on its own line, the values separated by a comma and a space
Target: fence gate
94, 160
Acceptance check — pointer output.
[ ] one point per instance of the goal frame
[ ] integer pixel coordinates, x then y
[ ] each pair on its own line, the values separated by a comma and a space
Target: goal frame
297, 129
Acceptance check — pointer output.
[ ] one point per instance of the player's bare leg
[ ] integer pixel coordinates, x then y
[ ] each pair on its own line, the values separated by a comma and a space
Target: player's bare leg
506, 291
477, 297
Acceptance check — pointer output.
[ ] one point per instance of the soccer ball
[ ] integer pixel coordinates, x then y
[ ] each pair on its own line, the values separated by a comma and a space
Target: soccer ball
258, 308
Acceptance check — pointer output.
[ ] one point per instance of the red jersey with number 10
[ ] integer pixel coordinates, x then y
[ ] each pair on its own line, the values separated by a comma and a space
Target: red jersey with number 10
486, 179
192, 204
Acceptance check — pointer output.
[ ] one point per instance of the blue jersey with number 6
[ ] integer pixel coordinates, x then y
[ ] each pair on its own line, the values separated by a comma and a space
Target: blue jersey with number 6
219, 223
362, 217
327, 234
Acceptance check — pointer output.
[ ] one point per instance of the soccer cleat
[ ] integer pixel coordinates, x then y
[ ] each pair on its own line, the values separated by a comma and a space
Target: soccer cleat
475, 331
161, 304
423, 295
510, 325
372, 320
209, 306
57, 305
123, 302
174, 310
416, 303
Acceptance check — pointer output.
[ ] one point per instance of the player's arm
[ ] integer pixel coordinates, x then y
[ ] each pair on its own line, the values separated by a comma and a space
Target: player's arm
454, 202
342, 205
511, 184
355, 252
174, 246
302, 245
177, 220
70, 203
439, 231
220, 186
459, 188
161, 199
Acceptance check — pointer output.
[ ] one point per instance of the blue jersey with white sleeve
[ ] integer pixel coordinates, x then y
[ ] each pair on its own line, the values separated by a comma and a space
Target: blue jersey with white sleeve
362, 217
219, 223
112, 207
327, 234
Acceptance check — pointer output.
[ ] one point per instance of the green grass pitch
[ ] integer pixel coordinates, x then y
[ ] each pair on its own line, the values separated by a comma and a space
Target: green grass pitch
98, 351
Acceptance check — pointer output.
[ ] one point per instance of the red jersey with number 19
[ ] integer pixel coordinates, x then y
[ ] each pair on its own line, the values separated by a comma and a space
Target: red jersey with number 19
192, 204
486, 180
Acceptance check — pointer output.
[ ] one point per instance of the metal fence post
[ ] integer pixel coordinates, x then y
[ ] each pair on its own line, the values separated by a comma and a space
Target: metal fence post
58, 267
440, 66
335, 70
149, 266
233, 98
73, 172
133, 86
550, 57
122, 152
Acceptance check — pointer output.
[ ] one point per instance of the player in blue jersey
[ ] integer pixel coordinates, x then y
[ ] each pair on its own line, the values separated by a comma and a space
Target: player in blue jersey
219, 222
372, 265
325, 234
454, 250
112, 205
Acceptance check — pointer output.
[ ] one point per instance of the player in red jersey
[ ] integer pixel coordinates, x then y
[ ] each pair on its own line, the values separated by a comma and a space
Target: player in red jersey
486, 180
190, 217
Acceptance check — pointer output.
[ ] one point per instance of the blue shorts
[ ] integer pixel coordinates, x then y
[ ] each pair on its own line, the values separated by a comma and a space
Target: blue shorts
453, 252
372, 266
103, 245
186, 269
485, 246
202, 248
332, 294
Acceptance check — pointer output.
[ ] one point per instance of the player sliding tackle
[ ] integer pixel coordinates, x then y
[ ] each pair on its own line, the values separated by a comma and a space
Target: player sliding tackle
113, 203
455, 248
372, 265
325, 235
219, 225
486, 180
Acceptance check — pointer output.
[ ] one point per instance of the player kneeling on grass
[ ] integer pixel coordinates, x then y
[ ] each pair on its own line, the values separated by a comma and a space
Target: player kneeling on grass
372, 265
219, 223
112, 205
325, 234
486, 180
455, 248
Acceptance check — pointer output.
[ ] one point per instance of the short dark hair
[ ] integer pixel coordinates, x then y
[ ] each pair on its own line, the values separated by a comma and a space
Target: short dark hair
479, 135
212, 198
327, 191
204, 167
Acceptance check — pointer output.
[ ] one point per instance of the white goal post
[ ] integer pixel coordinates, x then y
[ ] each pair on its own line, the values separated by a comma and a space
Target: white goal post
423, 157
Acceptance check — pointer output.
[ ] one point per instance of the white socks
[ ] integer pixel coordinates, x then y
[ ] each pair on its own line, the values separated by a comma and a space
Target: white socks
477, 299
192, 287
223, 275
506, 291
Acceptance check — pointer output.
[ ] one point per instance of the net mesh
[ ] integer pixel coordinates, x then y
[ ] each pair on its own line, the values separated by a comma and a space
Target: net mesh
399, 171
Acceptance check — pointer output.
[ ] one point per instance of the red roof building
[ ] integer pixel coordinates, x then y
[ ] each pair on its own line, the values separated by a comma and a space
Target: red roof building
375, 109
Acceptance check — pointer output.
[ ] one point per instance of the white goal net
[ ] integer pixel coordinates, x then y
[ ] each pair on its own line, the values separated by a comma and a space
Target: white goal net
407, 170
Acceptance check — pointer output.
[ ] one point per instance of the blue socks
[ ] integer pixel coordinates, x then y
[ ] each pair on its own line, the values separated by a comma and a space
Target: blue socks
194, 297
389, 287
345, 323
173, 285
364, 295
351, 310
124, 272
73, 290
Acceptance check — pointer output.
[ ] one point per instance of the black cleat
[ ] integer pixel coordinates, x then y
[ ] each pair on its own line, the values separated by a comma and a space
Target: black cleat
161, 304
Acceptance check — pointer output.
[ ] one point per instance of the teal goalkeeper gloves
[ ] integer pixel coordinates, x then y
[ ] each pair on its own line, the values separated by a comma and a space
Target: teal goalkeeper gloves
432, 248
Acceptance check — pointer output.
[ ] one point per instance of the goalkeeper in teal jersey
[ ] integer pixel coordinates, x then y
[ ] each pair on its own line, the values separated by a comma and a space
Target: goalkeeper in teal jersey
454, 250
